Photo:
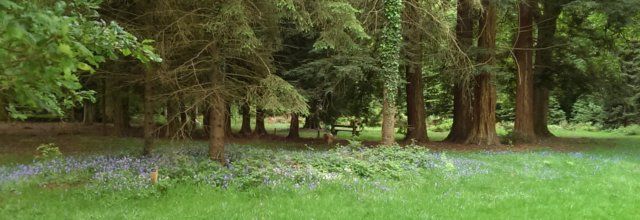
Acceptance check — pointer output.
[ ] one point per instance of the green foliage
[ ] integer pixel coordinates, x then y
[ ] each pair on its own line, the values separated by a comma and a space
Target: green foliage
48, 152
45, 47
587, 112
389, 48
556, 115
277, 95
342, 85
442, 125
629, 130
598, 63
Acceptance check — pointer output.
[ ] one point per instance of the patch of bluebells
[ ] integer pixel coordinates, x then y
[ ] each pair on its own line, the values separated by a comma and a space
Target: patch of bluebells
247, 167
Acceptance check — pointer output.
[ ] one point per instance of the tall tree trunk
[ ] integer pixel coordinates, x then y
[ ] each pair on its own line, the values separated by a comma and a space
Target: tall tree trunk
523, 53
218, 110
183, 113
148, 123
206, 120
121, 112
294, 127
388, 120
483, 129
390, 46
245, 129
461, 99
103, 106
260, 128
173, 119
416, 114
312, 121
227, 121
88, 113
542, 68
217, 127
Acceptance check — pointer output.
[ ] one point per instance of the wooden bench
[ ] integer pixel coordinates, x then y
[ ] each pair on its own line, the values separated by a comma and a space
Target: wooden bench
354, 129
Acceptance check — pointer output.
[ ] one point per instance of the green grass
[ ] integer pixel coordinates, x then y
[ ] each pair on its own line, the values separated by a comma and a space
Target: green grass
601, 181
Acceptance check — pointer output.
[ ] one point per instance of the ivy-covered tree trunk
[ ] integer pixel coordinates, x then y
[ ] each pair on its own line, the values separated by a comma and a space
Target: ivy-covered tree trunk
543, 63
416, 114
294, 127
461, 100
245, 129
523, 53
260, 129
483, 129
148, 108
390, 43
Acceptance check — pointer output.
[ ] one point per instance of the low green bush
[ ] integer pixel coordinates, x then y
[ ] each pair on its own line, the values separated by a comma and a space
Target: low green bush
628, 130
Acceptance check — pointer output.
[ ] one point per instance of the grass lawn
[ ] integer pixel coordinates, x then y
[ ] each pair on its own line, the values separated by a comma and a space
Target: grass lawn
598, 177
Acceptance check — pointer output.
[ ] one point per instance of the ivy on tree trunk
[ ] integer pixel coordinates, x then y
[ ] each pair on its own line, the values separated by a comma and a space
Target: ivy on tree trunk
389, 50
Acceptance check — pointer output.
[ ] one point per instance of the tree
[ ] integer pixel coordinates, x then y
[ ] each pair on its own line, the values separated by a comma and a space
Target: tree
461, 100
482, 131
45, 47
245, 129
413, 51
543, 72
523, 54
260, 129
148, 108
389, 49
294, 127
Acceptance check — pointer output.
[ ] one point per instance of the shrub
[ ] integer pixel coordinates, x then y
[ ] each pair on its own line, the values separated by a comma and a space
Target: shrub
629, 130
48, 151
580, 127
586, 112
441, 126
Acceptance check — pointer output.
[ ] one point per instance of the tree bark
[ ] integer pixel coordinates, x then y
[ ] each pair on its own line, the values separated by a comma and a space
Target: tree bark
416, 114
523, 54
483, 129
206, 120
183, 115
88, 113
312, 121
461, 100
388, 120
294, 127
542, 67
245, 129
390, 52
218, 111
173, 119
227, 121
121, 112
148, 123
217, 134
260, 129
